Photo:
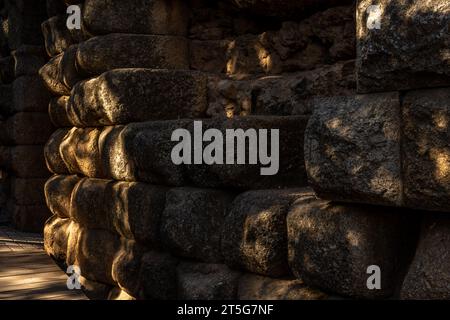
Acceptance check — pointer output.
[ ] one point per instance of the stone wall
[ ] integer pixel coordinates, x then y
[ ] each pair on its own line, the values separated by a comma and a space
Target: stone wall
25, 125
141, 227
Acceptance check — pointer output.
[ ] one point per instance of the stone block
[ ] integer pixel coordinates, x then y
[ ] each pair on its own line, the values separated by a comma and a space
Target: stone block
52, 153
56, 235
57, 110
409, 50
30, 218
58, 194
58, 38
254, 233
28, 191
114, 51
192, 222
26, 128
28, 60
332, 246
36, 98
137, 95
352, 149
136, 16
201, 281
27, 162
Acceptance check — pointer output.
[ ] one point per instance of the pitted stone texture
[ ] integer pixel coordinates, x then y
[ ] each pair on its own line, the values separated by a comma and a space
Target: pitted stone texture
192, 222
428, 277
57, 110
132, 210
426, 151
409, 51
56, 233
332, 245
254, 287
201, 281
352, 149
114, 51
52, 153
136, 16
254, 233
137, 95
58, 193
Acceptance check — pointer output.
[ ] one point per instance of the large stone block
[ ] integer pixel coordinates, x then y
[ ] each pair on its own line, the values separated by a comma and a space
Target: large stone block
132, 210
254, 287
7, 69
28, 191
201, 281
136, 16
137, 95
428, 277
56, 235
58, 194
57, 110
192, 222
254, 233
426, 151
332, 246
26, 128
95, 252
53, 158
6, 99
26, 162
28, 60
114, 51
352, 149
158, 276
409, 50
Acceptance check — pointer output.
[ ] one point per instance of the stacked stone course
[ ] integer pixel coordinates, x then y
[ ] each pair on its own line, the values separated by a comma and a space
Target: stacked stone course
25, 125
141, 227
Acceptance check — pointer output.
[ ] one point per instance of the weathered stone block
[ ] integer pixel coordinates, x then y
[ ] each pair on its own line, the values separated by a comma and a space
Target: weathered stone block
27, 162
426, 152
158, 277
428, 277
254, 233
6, 99
136, 16
95, 253
253, 287
94, 290
201, 281
28, 60
26, 128
137, 95
57, 110
56, 237
28, 191
331, 246
409, 50
114, 51
7, 69
352, 149
58, 193
53, 158
192, 222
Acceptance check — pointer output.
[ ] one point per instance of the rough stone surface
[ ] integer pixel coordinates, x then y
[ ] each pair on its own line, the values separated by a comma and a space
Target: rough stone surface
113, 51
137, 95
426, 152
53, 159
27, 191
26, 128
56, 238
409, 51
206, 282
58, 193
254, 233
352, 149
36, 97
332, 245
30, 218
192, 222
136, 16
254, 287
57, 110
429, 274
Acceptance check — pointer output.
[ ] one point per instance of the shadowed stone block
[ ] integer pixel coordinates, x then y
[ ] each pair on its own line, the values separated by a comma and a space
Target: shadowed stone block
28, 60
192, 222
53, 158
30, 218
27, 162
409, 50
137, 95
352, 149
254, 233
114, 51
254, 287
57, 110
26, 128
201, 281
426, 149
36, 98
331, 246
136, 16
58, 193
28, 191
428, 277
